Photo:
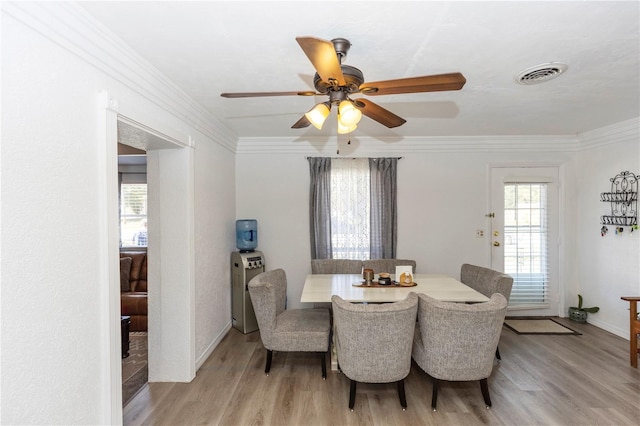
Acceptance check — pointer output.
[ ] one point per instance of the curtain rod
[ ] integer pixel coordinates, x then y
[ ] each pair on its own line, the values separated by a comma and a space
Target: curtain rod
354, 158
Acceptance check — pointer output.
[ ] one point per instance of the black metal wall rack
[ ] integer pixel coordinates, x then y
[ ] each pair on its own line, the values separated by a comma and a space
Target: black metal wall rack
623, 198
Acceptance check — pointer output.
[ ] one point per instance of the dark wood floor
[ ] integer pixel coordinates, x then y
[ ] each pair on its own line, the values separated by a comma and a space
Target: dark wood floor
542, 380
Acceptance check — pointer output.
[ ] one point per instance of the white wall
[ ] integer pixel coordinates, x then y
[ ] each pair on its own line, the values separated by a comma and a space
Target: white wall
170, 257
52, 341
442, 198
273, 189
215, 201
57, 350
607, 267
55, 338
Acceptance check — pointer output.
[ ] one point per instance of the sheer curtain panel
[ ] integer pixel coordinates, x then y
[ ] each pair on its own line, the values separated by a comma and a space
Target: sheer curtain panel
350, 208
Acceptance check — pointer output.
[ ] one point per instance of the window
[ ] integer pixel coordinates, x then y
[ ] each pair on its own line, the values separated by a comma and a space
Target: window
353, 208
526, 243
133, 214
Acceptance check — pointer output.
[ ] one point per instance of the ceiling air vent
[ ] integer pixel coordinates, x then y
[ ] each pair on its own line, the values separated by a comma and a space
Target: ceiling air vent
540, 73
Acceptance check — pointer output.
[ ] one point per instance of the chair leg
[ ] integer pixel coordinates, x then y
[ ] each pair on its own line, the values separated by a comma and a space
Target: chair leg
324, 365
268, 366
352, 394
403, 398
434, 394
633, 349
498, 354
484, 386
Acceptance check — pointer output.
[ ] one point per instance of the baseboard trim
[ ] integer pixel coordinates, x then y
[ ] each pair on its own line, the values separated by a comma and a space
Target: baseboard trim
624, 333
212, 346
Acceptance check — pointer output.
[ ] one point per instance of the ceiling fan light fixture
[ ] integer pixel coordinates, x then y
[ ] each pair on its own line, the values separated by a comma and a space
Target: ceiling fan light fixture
318, 114
348, 114
338, 81
342, 129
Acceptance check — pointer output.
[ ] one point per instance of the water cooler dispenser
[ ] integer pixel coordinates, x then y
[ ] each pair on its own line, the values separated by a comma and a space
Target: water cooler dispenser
245, 264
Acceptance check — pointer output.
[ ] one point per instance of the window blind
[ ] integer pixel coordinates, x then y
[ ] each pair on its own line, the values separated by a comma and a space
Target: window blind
526, 242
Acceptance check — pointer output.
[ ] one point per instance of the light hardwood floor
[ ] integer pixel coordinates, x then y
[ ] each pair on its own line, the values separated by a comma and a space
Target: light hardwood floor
542, 380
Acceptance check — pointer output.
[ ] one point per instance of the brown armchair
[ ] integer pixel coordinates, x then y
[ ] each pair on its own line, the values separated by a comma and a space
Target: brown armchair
133, 288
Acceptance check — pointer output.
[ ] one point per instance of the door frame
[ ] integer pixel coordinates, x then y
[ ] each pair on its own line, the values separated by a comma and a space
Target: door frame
172, 346
559, 298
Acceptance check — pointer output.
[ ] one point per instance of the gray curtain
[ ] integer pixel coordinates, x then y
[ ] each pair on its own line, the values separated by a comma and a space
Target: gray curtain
320, 207
384, 215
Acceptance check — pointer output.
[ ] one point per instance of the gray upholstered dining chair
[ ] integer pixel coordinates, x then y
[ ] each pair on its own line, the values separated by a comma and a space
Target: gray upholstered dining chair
388, 265
287, 330
487, 281
456, 341
334, 266
374, 341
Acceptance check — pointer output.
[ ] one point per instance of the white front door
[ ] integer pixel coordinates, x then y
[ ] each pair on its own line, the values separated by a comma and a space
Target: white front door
525, 236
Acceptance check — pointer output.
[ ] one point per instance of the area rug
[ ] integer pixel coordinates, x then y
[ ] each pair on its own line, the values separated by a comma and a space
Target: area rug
135, 369
538, 326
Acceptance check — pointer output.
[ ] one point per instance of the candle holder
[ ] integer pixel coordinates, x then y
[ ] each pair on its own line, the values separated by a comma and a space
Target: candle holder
367, 274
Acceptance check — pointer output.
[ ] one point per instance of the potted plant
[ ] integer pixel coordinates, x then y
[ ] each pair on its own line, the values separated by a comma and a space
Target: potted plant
579, 314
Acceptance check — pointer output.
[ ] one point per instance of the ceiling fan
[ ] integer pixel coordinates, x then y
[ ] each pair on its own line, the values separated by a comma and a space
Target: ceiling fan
340, 81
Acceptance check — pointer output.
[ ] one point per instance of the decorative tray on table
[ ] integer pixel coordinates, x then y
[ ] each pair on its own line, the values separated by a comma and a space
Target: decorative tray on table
376, 284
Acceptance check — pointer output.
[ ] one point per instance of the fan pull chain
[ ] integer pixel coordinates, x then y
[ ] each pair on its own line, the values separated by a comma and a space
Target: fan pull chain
348, 143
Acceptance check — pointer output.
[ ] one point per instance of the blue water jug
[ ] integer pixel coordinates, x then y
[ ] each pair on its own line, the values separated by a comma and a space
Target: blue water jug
246, 235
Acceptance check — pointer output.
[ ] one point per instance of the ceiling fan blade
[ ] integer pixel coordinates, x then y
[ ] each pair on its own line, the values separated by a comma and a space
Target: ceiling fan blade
379, 114
260, 94
429, 83
302, 123
324, 58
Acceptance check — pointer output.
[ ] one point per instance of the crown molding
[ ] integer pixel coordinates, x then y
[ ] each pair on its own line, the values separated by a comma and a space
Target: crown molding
70, 26
375, 146
626, 131
73, 28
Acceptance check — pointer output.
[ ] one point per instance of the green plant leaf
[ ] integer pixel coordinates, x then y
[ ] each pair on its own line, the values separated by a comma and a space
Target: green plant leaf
579, 302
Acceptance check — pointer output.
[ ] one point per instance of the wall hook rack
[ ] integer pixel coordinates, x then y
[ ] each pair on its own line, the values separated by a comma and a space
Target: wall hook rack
623, 198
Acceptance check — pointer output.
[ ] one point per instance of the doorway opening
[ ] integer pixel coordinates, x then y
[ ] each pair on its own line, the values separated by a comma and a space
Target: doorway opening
171, 300
133, 235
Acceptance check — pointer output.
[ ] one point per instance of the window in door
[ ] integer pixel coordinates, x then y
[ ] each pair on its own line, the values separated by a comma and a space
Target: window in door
526, 243
526, 234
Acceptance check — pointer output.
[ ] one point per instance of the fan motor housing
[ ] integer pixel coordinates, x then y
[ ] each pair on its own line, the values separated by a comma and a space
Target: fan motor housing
352, 76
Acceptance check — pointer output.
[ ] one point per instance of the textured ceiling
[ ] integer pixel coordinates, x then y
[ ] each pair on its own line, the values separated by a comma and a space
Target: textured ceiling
207, 48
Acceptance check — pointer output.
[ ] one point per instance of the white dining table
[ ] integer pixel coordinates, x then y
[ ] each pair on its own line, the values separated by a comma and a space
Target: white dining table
320, 287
